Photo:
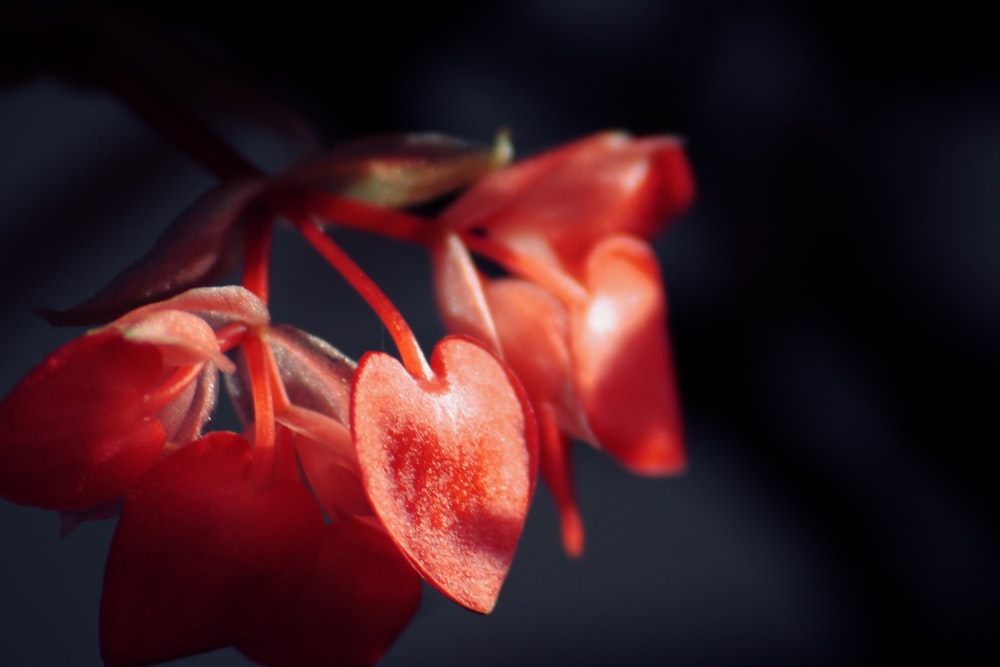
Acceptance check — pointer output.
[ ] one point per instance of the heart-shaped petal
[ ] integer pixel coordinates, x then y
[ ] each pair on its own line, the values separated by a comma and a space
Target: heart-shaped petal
361, 595
449, 464
623, 366
200, 558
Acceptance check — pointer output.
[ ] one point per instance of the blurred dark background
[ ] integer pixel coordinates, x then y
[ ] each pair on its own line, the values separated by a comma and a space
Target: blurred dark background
835, 299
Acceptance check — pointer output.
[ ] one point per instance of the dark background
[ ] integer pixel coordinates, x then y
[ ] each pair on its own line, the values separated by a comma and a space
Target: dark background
835, 302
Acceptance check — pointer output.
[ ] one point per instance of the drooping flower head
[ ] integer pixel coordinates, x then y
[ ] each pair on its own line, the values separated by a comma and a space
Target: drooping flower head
303, 539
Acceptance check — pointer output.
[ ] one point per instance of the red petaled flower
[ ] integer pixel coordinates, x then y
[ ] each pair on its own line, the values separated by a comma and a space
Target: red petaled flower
304, 539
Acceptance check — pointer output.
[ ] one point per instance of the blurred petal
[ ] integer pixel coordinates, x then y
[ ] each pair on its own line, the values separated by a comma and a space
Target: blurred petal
623, 365
359, 598
76, 431
200, 558
557, 471
574, 196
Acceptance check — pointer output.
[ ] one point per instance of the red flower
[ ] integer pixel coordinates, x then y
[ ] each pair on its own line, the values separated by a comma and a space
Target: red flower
92, 419
582, 322
303, 540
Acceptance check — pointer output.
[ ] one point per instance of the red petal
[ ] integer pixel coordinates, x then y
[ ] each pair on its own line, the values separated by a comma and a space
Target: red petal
533, 327
361, 595
623, 366
449, 464
576, 195
326, 453
200, 559
76, 431
459, 291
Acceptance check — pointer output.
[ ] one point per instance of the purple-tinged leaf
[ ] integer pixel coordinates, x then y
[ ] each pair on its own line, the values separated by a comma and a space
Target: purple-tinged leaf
199, 247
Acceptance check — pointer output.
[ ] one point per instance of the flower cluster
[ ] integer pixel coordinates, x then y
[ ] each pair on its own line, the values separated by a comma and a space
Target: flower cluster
305, 538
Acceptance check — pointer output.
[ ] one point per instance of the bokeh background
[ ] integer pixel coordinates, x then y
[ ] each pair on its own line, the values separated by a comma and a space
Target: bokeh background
834, 293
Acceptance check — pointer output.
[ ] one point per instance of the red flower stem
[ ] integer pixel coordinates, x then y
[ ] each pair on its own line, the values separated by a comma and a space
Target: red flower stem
560, 283
257, 253
557, 469
402, 335
388, 222
263, 409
